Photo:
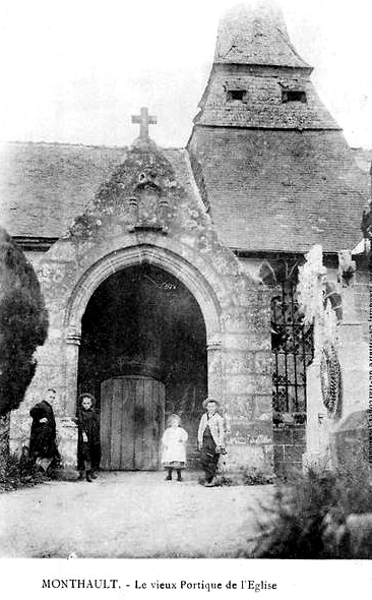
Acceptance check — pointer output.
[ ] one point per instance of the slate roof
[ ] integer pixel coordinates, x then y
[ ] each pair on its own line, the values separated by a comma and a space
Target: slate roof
256, 35
272, 192
44, 186
278, 190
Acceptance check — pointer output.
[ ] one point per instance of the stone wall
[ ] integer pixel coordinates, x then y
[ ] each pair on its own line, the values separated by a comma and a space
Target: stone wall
248, 395
150, 212
289, 448
289, 429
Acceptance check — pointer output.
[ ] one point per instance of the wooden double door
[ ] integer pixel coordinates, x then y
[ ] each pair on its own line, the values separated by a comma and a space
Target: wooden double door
132, 423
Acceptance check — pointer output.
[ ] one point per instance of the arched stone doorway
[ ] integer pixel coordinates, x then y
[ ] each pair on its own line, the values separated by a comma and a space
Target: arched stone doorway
112, 236
192, 318
143, 355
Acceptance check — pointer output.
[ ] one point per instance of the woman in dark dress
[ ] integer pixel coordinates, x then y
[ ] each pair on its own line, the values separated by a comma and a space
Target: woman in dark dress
89, 445
43, 446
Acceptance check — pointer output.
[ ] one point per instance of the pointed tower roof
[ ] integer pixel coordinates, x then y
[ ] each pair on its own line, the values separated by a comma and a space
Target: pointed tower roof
256, 35
271, 162
258, 80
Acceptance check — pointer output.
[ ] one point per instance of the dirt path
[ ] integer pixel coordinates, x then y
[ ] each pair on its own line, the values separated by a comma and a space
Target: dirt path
127, 515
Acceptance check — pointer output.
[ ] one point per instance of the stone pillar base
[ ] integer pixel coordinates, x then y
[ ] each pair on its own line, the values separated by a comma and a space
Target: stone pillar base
244, 459
67, 443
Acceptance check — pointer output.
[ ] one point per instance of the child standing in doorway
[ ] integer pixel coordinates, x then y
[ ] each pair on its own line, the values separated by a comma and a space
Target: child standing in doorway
174, 447
89, 448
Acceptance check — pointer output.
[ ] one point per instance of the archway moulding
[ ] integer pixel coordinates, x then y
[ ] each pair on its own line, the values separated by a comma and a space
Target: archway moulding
127, 257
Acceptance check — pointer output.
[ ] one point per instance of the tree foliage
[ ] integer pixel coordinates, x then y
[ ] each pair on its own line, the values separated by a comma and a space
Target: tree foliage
23, 323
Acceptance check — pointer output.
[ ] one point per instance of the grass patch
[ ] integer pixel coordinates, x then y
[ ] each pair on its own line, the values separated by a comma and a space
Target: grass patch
250, 476
256, 476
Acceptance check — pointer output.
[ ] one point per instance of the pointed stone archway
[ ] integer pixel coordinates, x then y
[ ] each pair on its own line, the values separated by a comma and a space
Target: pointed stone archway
143, 356
124, 259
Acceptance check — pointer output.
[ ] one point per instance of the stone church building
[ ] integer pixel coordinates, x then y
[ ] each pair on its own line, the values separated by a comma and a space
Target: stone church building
222, 269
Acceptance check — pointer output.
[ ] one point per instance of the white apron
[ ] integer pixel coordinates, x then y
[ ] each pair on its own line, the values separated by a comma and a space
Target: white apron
174, 445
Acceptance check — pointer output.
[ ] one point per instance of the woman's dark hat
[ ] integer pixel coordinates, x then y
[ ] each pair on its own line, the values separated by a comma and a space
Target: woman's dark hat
210, 399
90, 396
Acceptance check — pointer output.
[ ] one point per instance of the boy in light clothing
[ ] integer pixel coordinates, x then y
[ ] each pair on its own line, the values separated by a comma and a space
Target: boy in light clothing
211, 440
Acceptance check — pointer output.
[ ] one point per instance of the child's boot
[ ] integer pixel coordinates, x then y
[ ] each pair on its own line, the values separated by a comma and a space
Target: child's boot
169, 476
179, 476
88, 471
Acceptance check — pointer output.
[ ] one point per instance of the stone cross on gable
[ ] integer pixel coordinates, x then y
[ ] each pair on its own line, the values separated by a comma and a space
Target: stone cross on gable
144, 120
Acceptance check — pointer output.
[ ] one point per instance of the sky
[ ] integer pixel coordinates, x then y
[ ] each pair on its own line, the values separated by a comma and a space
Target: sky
75, 71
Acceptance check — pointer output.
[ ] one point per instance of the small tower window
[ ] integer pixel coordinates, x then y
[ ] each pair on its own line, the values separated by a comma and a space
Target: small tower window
236, 95
293, 96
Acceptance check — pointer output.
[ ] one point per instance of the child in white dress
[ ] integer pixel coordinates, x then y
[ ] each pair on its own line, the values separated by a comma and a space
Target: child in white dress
174, 447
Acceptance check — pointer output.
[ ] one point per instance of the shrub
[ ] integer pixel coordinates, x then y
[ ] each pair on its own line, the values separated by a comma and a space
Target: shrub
23, 323
307, 519
16, 473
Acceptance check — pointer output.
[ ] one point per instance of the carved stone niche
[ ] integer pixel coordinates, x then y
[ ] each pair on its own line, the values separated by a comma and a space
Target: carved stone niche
148, 207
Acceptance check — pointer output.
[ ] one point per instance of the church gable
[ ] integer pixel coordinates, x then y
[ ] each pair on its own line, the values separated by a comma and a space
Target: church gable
150, 199
147, 225
142, 194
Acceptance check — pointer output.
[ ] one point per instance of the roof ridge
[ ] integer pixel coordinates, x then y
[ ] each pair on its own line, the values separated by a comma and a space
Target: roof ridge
79, 145
59, 144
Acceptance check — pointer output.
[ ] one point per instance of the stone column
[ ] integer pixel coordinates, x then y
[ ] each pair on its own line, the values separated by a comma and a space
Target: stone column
214, 368
73, 339
66, 425
247, 386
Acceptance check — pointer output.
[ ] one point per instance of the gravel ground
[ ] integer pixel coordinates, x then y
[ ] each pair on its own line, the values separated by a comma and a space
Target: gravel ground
130, 515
